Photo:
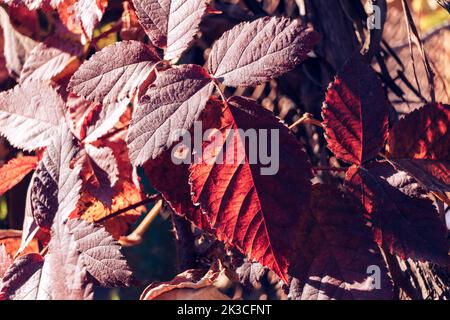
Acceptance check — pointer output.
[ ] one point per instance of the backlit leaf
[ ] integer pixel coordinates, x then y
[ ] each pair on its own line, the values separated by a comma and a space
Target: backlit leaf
405, 224
250, 206
15, 170
355, 113
170, 106
420, 145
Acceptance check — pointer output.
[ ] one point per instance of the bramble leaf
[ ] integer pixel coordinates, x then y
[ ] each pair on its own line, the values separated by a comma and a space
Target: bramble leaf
337, 253
403, 222
35, 110
420, 145
256, 52
15, 170
252, 207
55, 185
49, 59
170, 24
355, 113
115, 72
168, 108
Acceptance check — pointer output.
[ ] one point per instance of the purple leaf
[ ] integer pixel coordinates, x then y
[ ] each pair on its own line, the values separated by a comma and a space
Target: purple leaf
256, 52
35, 110
170, 24
115, 72
55, 185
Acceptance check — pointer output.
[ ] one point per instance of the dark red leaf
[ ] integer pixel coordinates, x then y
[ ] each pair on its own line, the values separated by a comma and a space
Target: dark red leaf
420, 145
81, 16
336, 252
255, 212
172, 181
403, 222
355, 113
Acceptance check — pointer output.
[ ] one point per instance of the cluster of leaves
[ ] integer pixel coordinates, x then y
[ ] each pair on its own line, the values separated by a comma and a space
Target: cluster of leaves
92, 124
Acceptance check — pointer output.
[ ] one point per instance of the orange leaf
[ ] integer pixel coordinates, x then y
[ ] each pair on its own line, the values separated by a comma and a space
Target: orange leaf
15, 170
11, 240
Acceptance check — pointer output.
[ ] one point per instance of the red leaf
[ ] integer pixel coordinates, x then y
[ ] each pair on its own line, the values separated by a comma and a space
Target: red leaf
79, 114
102, 160
172, 181
108, 267
355, 113
170, 24
420, 145
169, 107
14, 171
35, 110
403, 223
10, 241
336, 251
256, 213
120, 68
103, 119
76, 260
82, 16
256, 52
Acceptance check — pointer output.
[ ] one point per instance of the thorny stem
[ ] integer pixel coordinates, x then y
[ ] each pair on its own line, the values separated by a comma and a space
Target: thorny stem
306, 118
135, 237
149, 199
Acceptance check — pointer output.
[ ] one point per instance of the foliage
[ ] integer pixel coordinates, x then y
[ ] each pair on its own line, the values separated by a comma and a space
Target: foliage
98, 122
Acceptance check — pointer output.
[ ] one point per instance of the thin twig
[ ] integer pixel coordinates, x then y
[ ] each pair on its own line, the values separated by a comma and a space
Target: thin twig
306, 119
135, 237
133, 206
44, 250
113, 29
